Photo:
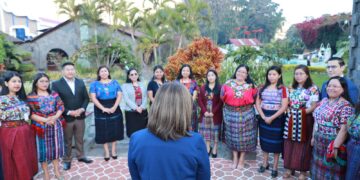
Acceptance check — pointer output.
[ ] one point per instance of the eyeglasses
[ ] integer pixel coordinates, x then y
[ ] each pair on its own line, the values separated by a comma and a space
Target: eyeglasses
331, 67
299, 74
41, 81
134, 74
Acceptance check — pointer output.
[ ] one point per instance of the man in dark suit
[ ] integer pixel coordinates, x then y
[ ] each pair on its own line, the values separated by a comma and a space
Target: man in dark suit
73, 93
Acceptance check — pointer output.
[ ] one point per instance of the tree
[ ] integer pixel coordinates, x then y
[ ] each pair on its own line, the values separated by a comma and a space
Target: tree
68, 7
260, 18
201, 55
156, 34
244, 54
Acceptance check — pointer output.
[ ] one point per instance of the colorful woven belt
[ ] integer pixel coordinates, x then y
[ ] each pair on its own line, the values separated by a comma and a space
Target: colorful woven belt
12, 124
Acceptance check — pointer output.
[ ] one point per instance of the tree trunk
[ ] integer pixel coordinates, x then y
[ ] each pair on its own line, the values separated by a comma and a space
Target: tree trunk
180, 42
155, 56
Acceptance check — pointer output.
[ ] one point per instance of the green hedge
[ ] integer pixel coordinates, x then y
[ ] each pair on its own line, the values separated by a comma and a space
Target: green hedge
291, 67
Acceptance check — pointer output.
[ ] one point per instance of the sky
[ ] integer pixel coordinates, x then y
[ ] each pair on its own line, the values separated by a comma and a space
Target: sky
294, 11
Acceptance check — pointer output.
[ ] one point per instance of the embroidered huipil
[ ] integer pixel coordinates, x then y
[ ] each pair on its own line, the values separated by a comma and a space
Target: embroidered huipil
13, 109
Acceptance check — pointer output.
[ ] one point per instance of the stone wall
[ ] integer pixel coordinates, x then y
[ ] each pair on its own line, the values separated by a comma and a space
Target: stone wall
354, 61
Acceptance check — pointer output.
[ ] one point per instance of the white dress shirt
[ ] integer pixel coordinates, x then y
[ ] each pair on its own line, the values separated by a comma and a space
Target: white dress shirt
71, 84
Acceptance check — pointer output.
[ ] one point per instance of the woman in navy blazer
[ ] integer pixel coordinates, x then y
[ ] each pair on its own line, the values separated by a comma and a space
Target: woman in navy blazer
166, 149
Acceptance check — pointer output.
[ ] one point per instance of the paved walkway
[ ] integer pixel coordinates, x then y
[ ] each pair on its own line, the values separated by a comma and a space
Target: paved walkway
118, 169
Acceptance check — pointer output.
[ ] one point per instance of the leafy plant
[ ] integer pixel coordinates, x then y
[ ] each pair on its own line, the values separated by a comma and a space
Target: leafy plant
201, 55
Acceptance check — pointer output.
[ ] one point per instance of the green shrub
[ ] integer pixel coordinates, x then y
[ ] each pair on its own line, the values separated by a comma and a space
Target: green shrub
26, 67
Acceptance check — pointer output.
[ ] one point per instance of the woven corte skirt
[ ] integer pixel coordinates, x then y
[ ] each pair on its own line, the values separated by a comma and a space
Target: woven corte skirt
240, 128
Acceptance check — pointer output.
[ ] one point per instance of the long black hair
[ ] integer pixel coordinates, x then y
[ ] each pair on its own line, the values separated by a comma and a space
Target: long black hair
5, 90
99, 69
191, 76
279, 83
162, 69
216, 89
128, 80
36, 79
248, 78
308, 83
344, 85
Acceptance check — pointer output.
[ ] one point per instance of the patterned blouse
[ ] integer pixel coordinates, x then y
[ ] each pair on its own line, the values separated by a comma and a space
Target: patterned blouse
354, 127
330, 116
13, 109
234, 94
191, 86
105, 90
272, 98
302, 98
45, 106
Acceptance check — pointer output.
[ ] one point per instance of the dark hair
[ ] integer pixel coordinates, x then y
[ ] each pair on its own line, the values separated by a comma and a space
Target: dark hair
308, 83
162, 69
36, 79
66, 64
5, 90
216, 89
191, 76
344, 85
98, 71
128, 80
248, 78
340, 60
267, 81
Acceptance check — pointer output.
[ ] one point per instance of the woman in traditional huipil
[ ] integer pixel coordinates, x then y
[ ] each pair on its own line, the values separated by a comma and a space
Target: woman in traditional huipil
329, 134
135, 102
109, 127
353, 145
303, 97
271, 103
211, 111
156, 82
240, 123
18, 149
46, 115
186, 78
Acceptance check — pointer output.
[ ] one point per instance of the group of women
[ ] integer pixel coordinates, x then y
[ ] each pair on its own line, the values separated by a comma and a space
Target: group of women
320, 136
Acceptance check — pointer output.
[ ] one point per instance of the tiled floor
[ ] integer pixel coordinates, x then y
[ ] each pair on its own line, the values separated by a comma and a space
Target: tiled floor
118, 169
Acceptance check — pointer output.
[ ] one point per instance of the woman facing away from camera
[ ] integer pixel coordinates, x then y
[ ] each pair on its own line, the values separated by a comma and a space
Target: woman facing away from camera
167, 149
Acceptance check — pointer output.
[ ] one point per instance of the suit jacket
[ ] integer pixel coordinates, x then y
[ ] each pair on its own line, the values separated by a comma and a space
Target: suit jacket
129, 96
71, 101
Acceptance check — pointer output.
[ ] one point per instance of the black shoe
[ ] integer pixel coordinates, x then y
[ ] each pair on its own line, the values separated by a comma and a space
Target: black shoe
274, 173
262, 168
209, 153
106, 158
67, 166
214, 155
86, 160
114, 157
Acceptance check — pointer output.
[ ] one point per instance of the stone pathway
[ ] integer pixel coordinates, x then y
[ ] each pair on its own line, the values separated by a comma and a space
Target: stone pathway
117, 169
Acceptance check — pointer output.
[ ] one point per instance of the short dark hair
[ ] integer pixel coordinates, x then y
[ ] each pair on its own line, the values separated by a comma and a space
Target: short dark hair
98, 71
128, 80
36, 79
344, 85
66, 64
5, 90
248, 78
339, 59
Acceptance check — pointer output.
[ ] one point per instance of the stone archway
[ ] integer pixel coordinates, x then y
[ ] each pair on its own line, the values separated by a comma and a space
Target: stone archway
54, 58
